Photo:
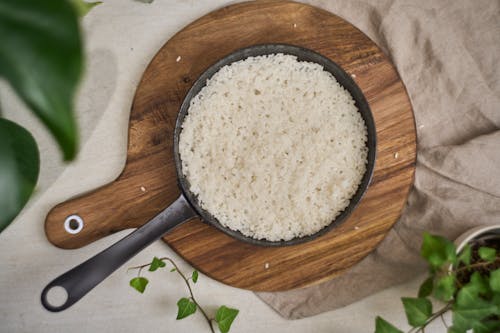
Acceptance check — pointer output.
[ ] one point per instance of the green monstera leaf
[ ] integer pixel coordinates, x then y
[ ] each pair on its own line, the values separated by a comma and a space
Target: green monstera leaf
41, 57
19, 165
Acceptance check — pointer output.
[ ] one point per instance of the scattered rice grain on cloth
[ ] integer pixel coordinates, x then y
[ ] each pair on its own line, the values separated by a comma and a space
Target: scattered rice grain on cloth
273, 147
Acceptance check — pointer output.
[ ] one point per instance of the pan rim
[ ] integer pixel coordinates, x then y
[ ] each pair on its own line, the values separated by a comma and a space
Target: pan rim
302, 54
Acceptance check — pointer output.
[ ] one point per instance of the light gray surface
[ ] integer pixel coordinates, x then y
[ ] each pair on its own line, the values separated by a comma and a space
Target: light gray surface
121, 38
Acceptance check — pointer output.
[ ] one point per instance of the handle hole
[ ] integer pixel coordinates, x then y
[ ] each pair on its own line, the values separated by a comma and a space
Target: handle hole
73, 224
57, 296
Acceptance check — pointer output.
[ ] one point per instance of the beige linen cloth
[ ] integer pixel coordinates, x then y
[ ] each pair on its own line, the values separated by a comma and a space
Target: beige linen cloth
448, 56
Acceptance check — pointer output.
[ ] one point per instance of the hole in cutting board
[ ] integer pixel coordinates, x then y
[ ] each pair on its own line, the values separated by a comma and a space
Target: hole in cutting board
73, 224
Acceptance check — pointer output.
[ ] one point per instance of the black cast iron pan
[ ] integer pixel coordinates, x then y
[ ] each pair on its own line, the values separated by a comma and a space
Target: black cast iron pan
80, 280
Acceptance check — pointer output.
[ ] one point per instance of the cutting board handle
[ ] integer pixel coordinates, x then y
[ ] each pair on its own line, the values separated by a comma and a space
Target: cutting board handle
88, 217
127, 202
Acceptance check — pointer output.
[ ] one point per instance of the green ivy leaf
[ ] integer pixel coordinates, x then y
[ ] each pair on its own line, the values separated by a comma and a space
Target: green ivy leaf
417, 310
41, 57
438, 251
426, 287
445, 288
382, 326
467, 296
155, 264
478, 283
496, 300
185, 308
225, 317
469, 308
460, 321
83, 7
495, 280
139, 283
454, 329
465, 255
194, 276
19, 167
487, 253
173, 270
486, 326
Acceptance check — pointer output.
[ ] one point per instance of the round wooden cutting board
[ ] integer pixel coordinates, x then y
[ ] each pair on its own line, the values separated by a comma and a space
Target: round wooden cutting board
148, 182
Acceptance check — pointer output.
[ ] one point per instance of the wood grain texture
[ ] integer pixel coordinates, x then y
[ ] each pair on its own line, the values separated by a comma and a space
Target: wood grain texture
123, 204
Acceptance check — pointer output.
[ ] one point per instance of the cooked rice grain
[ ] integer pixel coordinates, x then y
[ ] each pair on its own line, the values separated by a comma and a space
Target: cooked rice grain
273, 147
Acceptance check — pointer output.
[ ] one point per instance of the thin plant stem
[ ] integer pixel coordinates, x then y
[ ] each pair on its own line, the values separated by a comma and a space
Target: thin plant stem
479, 264
444, 321
186, 280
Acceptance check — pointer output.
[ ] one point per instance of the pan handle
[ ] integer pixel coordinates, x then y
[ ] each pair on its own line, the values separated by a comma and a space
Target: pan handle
80, 280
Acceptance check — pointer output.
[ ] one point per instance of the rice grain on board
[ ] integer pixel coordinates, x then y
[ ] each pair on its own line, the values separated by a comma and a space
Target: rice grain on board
273, 147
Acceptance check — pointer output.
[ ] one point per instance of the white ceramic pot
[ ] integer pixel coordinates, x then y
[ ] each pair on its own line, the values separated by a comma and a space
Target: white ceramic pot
475, 233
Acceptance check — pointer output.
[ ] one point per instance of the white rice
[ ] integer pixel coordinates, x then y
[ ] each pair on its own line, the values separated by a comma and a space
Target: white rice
273, 147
